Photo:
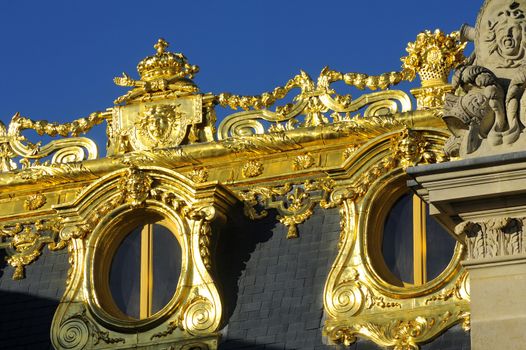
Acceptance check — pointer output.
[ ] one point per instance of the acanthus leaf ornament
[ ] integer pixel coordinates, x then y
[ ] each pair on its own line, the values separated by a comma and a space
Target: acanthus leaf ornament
499, 236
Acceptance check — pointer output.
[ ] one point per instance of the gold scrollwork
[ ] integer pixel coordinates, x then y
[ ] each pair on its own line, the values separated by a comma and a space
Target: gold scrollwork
294, 203
354, 294
24, 242
198, 315
401, 334
314, 101
76, 331
74, 149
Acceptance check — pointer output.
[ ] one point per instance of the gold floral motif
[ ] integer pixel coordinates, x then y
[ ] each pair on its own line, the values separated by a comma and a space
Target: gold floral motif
252, 168
302, 162
35, 201
198, 175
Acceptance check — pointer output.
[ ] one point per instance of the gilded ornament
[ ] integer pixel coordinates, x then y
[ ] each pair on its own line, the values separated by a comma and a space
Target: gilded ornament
199, 315
205, 238
56, 173
404, 334
261, 195
314, 101
76, 331
459, 291
294, 203
198, 175
149, 133
296, 209
163, 73
35, 201
303, 162
135, 187
433, 55
431, 97
24, 242
74, 149
349, 151
252, 168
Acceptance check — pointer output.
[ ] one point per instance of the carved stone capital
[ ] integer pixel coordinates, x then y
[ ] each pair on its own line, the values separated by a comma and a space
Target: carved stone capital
493, 237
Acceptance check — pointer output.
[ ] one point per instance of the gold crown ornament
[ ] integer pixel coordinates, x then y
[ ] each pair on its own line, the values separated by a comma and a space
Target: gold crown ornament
165, 65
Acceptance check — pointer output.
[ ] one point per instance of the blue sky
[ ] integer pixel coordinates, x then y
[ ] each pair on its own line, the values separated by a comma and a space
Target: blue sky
59, 57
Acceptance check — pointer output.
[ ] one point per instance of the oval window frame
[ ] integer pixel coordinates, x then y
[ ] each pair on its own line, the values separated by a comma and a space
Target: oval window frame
105, 240
377, 203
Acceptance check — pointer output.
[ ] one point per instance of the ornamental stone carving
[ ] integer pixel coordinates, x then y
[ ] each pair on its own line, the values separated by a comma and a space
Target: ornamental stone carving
494, 237
487, 112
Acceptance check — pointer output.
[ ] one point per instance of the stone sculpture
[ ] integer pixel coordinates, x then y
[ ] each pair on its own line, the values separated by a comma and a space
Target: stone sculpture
487, 112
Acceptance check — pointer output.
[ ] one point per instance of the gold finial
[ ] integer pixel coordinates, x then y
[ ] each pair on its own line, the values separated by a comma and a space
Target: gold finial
433, 55
160, 46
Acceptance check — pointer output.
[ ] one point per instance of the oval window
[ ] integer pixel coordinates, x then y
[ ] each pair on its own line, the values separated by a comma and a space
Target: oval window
145, 270
415, 247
